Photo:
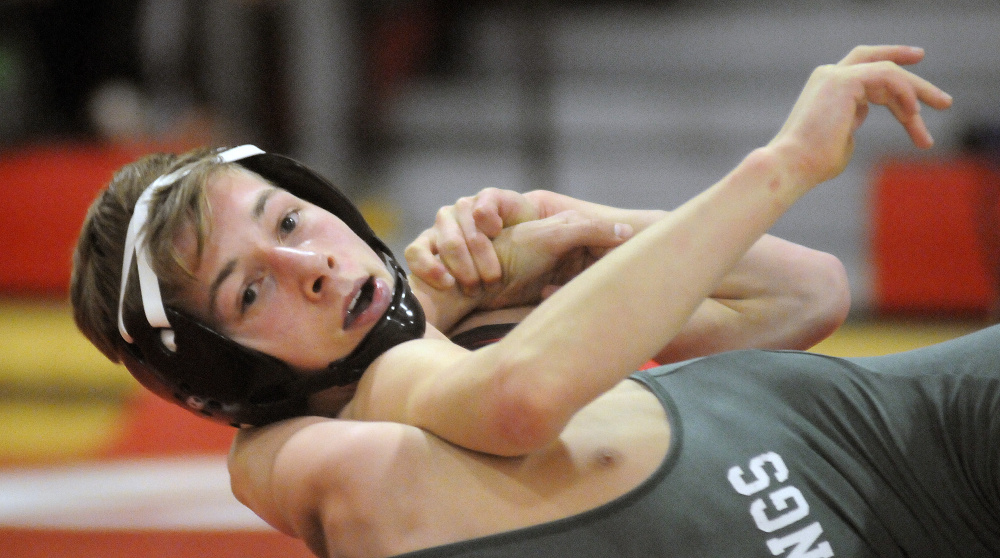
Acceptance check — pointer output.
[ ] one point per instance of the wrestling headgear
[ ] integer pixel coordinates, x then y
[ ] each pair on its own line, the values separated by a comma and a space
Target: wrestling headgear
187, 363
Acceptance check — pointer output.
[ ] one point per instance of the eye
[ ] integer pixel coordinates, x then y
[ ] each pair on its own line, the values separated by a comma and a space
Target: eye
288, 223
249, 297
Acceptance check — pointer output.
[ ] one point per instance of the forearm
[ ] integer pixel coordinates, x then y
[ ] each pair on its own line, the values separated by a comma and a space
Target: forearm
779, 296
656, 280
608, 321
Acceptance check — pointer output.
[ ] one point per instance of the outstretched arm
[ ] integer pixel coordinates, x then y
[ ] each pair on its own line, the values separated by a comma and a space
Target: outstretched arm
517, 395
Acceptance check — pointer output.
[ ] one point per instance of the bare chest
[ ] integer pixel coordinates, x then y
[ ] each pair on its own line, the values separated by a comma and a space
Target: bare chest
609, 448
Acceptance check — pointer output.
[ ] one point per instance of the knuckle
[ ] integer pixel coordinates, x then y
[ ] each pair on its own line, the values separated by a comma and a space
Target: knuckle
570, 216
422, 242
479, 241
443, 213
825, 70
451, 246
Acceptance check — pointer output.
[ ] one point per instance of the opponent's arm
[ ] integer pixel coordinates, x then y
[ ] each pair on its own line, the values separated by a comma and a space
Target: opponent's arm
780, 294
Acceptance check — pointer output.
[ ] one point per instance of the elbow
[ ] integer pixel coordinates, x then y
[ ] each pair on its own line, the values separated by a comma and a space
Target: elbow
838, 295
526, 412
827, 298
523, 426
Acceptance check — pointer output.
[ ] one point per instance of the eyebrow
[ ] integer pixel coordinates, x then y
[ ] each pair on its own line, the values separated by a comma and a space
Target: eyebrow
256, 213
258, 208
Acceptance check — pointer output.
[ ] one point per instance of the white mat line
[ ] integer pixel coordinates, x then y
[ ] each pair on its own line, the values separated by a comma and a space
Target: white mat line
190, 493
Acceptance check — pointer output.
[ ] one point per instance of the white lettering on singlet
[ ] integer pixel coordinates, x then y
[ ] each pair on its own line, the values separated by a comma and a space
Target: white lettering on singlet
783, 509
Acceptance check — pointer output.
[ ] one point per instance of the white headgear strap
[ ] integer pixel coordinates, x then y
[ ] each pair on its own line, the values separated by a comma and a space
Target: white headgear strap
135, 244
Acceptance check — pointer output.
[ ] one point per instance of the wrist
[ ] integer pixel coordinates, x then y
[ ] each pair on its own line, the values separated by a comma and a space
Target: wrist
808, 165
444, 308
786, 166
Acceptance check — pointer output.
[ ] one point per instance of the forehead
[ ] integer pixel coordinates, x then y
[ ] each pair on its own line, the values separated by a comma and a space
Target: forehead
234, 184
229, 194
237, 194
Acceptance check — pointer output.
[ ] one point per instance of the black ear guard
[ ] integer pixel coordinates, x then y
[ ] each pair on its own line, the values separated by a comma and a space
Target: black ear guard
207, 373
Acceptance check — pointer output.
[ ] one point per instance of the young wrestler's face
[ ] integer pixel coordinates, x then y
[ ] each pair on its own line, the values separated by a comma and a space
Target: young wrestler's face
281, 275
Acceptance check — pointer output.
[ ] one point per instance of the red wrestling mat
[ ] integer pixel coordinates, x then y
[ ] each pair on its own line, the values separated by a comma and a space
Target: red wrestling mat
153, 427
28, 543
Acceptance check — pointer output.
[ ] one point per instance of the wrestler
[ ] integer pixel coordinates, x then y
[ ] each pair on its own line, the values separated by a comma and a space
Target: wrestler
545, 443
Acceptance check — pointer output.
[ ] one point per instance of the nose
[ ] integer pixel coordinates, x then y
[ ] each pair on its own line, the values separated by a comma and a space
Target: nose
307, 269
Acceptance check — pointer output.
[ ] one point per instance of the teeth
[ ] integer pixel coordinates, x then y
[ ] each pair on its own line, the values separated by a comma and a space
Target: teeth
354, 302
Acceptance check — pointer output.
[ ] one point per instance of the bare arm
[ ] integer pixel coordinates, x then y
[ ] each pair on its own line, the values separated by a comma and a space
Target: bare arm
312, 477
517, 395
262, 481
780, 294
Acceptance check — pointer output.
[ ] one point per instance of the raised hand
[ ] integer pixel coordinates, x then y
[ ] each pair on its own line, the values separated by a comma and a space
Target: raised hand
819, 132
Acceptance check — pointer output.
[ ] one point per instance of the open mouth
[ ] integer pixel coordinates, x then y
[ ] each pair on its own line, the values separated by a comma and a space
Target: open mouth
362, 300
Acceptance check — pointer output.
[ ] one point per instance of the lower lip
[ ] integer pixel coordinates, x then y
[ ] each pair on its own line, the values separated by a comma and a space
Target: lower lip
381, 298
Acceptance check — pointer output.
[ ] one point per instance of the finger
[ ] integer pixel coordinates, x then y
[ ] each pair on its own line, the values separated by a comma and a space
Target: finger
900, 98
423, 263
462, 213
906, 109
923, 91
452, 248
484, 258
933, 96
569, 230
902, 93
900, 54
926, 91
486, 214
496, 209
455, 256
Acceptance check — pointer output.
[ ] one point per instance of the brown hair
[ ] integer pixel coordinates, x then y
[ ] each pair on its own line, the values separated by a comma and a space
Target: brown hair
97, 261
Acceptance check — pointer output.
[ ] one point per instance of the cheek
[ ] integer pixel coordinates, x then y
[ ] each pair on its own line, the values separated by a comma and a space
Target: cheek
303, 339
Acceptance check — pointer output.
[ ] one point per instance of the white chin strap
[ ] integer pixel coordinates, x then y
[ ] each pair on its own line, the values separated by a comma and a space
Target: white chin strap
135, 244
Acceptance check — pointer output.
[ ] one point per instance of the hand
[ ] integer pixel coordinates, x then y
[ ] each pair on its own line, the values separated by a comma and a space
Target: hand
458, 248
818, 134
537, 257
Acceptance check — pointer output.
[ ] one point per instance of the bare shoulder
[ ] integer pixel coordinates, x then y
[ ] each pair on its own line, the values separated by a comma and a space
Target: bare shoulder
311, 477
390, 385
